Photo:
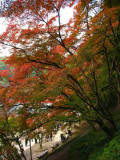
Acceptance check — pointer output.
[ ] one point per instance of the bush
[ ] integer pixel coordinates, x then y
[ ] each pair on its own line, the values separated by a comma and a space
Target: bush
112, 151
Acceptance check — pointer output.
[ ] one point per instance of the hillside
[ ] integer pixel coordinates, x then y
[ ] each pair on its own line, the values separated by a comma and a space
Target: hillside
2, 67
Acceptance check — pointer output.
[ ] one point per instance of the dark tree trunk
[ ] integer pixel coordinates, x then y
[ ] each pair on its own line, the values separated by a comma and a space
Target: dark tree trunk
108, 129
22, 153
30, 149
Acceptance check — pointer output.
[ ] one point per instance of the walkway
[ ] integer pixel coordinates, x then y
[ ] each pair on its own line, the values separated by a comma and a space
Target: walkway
61, 153
36, 150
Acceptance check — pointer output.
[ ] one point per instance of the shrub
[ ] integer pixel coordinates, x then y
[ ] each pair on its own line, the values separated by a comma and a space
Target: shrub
112, 151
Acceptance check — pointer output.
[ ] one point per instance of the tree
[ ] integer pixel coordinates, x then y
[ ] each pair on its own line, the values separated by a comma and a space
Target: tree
16, 121
8, 129
75, 65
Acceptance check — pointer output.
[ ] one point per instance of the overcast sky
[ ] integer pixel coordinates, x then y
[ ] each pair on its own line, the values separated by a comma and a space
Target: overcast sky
3, 52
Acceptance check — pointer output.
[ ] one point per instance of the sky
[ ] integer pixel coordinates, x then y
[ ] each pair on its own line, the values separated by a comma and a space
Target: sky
66, 14
3, 52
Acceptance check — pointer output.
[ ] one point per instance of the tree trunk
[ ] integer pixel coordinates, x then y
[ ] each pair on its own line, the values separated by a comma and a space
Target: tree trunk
108, 129
30, 149
22, 153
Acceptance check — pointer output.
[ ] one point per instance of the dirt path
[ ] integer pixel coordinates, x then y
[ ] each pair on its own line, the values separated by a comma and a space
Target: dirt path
61, 153
62, 150
46, 145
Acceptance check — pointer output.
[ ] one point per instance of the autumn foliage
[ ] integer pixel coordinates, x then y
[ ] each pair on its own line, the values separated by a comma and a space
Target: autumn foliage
74, 67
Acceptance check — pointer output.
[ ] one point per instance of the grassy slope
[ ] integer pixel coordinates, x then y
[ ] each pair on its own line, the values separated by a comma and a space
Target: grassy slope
96, 146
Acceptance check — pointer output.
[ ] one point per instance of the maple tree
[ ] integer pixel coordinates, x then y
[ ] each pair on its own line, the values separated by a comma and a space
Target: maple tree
75, 67
8, 129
